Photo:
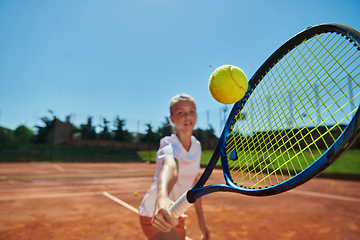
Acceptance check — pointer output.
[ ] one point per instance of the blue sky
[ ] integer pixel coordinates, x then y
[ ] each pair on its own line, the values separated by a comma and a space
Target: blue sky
103, 59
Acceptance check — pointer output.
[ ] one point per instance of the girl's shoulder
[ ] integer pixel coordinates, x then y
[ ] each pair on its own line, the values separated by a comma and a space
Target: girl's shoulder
175, 142
169, 140
195, 141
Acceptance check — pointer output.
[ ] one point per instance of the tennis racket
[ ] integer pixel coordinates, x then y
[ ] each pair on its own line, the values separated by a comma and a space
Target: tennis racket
299, 115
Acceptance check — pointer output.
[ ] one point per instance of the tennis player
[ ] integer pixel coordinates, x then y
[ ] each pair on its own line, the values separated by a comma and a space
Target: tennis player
177, 167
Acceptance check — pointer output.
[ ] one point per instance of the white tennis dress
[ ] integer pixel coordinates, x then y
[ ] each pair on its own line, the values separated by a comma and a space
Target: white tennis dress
189, 166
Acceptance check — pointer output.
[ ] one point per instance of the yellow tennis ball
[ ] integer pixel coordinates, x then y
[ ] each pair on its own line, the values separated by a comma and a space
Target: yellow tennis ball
135, 194
11, 182
228, 84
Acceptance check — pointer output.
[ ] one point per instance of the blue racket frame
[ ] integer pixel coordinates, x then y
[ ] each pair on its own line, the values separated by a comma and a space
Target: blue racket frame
335, 151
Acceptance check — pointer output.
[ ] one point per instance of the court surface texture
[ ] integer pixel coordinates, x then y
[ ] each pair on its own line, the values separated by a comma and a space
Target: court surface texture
100, 201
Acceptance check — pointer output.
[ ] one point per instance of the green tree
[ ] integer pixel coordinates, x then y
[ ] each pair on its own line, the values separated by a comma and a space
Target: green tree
87, 130
129, 137
165, 130
119, 132
211, 133
44, 133
22, 134
150, 136
203, 135
6, 135
105, 133
122, 134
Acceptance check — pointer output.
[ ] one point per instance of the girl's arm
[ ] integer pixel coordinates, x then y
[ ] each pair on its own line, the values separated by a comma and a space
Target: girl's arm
162, 218
200, 214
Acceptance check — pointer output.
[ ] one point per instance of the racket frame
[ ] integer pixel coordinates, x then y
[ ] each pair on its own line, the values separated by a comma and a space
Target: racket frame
334, 152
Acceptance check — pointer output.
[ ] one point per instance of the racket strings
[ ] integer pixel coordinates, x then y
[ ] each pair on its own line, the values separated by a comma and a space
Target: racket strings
280, 164
295, 113
287, 120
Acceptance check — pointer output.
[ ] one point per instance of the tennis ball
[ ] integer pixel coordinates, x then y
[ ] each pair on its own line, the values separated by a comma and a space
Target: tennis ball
135, 194
11, 182
228, 84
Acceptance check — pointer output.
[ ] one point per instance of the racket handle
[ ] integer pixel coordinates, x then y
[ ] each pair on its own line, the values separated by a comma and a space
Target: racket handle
180, 206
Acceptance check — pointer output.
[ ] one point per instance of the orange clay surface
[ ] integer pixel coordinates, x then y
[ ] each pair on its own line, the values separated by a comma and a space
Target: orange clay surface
53, 201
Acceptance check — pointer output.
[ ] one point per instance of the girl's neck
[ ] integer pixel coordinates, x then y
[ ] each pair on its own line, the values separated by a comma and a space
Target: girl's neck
185, 140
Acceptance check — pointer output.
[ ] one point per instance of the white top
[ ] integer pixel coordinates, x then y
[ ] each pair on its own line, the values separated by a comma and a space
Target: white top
188, 165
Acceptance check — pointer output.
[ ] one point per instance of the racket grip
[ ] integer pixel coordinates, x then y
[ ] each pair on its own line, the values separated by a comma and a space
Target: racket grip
180, 206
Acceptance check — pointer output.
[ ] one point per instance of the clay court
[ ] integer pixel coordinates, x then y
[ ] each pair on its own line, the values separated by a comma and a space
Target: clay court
66, 201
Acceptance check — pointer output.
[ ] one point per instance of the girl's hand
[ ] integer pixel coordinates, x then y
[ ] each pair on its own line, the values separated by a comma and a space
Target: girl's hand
206, 232
162, 218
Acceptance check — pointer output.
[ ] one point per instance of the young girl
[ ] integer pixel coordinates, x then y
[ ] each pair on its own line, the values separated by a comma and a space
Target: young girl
177, 167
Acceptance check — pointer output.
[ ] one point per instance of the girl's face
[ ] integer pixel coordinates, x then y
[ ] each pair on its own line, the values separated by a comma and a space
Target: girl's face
183, 115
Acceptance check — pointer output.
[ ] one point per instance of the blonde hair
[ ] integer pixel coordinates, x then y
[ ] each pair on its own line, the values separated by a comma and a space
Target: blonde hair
180, 97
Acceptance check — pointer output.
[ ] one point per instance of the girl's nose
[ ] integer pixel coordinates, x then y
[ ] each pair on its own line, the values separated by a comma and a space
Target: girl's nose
187, 115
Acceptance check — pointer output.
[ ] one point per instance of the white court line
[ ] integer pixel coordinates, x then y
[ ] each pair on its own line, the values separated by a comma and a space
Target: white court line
76, 175
52, 188
55, 195
59, 168
131, 208
325, 195
135, 210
